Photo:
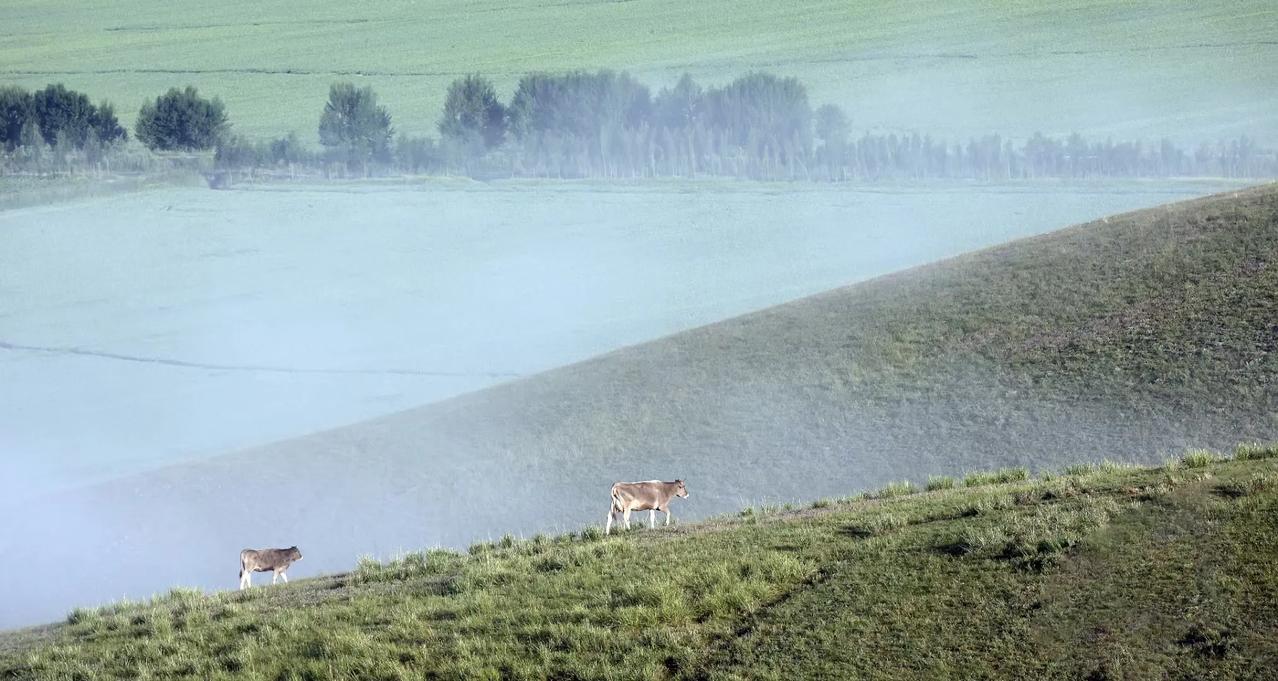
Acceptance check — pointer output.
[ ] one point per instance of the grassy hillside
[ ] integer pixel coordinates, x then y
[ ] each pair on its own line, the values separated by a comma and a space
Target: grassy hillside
1099, 573
954, 68
1143, 334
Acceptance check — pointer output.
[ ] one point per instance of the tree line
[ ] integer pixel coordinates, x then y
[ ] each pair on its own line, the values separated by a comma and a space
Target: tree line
55, 117
592, 124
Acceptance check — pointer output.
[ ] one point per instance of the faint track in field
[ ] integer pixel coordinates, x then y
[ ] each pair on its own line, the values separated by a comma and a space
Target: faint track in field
186, 364
885, 56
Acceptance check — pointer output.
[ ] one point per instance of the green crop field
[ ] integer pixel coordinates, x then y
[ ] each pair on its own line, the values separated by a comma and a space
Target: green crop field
1098, 572
1190, 70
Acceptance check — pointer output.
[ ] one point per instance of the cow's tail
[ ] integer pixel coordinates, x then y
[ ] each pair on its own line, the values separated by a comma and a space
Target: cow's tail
613, 506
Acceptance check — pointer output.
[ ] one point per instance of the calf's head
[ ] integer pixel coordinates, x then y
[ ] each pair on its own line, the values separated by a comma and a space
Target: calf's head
680, 489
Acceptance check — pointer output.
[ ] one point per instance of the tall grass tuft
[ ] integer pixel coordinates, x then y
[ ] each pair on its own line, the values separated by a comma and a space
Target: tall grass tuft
84, 616
367, 563
181, 595
1004, 475
1013, 474
937, 482
978, 479
1080, 469
1252, 451
988, 505
416, 564
896, 489
1200, 458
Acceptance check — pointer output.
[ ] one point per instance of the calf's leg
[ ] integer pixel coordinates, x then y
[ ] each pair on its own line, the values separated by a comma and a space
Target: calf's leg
625, 517
667, 517
652, 519
608, 527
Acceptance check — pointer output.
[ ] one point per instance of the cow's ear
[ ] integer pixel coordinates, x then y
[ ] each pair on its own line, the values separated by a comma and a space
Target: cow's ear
679, 481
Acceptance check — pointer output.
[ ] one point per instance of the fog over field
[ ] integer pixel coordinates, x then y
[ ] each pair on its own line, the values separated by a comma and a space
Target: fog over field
185, 323
412, 273
149, 330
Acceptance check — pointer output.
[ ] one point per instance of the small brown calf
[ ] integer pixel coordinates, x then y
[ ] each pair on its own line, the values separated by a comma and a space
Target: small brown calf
266, 560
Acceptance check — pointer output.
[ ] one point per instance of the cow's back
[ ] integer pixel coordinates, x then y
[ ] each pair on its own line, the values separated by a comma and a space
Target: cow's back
636, 496
265, 559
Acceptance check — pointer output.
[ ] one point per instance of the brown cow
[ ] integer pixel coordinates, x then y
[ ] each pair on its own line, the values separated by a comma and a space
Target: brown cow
266, 560
650, 496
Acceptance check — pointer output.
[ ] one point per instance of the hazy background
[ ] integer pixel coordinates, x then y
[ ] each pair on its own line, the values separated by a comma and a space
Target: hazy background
147, 340
184, 323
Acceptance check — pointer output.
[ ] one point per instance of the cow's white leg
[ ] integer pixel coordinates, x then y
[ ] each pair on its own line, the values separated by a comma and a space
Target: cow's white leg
608, 527
667, 517
625, 518
284, 576
244, 583
275, 578
652, 519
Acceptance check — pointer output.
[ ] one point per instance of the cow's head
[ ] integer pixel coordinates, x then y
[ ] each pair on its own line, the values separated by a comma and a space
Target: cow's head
681, 490
294, 554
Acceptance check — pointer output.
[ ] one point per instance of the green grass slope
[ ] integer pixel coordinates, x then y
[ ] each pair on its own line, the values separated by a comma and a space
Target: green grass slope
953, 69
1107, 572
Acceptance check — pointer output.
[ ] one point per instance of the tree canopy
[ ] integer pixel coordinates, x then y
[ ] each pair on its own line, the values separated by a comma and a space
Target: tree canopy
182, 120
472, 110
762, 109
680, 107
832, 126
56, 113
578, 103
17, 108
354, 127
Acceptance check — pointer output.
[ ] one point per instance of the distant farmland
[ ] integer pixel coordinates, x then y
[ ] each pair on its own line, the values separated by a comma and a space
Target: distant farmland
951, 69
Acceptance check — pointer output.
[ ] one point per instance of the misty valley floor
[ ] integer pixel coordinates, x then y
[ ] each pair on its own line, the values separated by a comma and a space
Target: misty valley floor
193, 322
1142, 333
